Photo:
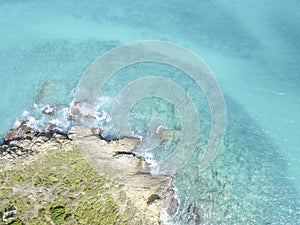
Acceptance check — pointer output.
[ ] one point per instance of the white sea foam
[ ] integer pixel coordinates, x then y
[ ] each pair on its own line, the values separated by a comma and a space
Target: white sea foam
103, 116
165, 218
39, 116
25, 113
104, 103
32, 122
17, 123
37, 120
154, 167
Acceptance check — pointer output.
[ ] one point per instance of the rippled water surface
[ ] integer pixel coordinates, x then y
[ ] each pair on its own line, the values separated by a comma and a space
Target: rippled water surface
251, 48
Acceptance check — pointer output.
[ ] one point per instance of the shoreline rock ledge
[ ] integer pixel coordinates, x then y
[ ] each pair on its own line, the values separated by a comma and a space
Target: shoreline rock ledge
145, 198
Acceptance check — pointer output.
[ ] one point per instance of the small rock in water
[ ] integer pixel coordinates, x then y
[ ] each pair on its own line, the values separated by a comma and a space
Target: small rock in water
50, 109
193, 217
164, 135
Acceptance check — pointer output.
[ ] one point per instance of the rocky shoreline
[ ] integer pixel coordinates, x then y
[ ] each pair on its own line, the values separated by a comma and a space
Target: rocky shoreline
145, 198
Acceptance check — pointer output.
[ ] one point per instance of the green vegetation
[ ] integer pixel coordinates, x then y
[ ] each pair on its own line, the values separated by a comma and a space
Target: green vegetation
59, 187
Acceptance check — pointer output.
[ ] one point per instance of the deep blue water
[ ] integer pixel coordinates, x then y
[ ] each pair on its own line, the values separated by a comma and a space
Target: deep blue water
252, 48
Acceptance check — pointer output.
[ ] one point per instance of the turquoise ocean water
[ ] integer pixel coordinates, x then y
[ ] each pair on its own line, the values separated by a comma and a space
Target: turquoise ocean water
253, 49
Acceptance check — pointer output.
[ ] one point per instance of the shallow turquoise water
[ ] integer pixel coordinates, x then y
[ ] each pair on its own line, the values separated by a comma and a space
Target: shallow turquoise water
252, 49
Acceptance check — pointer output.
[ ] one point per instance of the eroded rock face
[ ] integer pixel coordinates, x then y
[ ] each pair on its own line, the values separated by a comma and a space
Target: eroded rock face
152, 196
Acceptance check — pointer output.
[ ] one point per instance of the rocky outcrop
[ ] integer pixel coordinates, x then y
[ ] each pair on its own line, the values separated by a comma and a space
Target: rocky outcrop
152, 196
116, 159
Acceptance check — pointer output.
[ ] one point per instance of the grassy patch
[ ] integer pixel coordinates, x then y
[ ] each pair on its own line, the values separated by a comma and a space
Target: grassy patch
59, 187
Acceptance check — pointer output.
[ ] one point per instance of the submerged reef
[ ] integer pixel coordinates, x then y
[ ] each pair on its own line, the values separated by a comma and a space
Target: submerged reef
79, 178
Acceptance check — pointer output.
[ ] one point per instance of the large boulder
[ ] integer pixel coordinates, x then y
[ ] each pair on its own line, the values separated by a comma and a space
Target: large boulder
23, 131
